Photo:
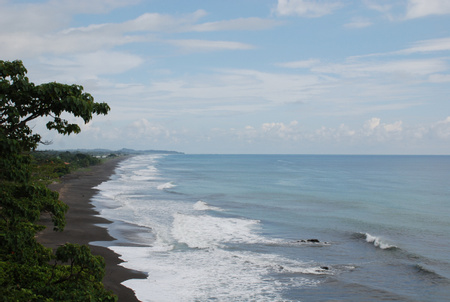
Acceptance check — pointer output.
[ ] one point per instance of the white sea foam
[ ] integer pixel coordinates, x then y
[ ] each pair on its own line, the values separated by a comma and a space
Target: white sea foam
204, 231
167, 185
150, 173
209, 274
203, 206
378, 242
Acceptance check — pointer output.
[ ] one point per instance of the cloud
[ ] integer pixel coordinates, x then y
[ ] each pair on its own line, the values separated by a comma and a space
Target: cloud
143, 129
306, 8
371, 130
409, 9
51, 15
155, 22
277, 131
208, 45
89, 6
236, 24
432, 45
164, 23
376, 130
282, 131
423, 8
371, 124
394, 127
379, 6
90, 65
419, 67
34, 31
439, 78
442, 128
358, 23
40, 29
300, 64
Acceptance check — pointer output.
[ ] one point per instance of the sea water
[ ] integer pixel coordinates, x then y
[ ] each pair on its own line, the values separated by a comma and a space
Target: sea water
239, 227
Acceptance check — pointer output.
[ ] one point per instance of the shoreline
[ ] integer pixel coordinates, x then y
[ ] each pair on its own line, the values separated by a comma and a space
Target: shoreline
82, 224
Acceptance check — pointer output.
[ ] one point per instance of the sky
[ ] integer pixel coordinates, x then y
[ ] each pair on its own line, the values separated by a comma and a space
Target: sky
244, 76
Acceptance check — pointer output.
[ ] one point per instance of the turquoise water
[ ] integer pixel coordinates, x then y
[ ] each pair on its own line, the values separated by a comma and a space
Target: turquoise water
237, 227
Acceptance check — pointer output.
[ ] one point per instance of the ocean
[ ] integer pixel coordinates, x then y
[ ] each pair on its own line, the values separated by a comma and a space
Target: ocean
282, 227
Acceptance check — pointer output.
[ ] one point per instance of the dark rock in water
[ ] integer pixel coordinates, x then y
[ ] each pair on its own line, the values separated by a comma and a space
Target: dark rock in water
325, 268
309, 241
313, 240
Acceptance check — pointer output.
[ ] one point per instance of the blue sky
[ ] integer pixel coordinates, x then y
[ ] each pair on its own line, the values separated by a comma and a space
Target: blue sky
247, 76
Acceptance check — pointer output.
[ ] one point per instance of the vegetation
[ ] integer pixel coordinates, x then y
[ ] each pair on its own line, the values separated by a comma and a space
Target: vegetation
50, 165
28, 270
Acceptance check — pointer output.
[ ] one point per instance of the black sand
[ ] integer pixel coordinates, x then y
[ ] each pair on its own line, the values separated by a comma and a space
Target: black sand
76, 190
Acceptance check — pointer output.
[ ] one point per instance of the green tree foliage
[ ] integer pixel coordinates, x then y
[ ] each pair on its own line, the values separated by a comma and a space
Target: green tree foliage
28, 270
50, 165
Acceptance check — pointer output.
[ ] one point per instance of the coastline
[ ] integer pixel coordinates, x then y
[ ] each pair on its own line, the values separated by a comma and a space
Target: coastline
76, 190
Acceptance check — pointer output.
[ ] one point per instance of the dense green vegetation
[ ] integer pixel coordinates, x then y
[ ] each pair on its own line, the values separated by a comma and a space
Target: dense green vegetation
28, 270
50, 165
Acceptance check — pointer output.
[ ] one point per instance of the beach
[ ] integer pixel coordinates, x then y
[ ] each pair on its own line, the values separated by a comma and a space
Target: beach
76, 190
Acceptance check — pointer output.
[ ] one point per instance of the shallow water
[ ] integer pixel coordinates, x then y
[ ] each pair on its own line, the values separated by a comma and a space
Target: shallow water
230, 227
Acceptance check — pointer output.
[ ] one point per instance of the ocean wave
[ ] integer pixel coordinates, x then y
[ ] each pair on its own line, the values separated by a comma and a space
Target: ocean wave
167, 185
429, 273
204, 231
204, 206
377, 241
307, 270
198, 275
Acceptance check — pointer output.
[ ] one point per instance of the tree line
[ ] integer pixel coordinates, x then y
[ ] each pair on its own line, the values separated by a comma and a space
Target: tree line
28, 270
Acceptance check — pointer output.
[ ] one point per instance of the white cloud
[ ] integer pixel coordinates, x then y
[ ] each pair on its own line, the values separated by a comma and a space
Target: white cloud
52, 15
374, 129
379, 5
419, 67
281, 130
306, 8
277, 131
230, 91
394, 127
423, 8
38, 32
142, 129
371, 130
154, 22
163, 23
427, 46
42, 32
442, 128
358, 23
439, 78
89, 6
90, 65
409, 9
329, 134
207, 45
236, 24
371, 124
300, 64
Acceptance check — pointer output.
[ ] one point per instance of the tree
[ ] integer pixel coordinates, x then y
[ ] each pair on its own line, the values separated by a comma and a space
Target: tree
22, 102
25, 270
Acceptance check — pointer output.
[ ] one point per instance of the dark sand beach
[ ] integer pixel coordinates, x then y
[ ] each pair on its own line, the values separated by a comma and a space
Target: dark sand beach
76, 190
